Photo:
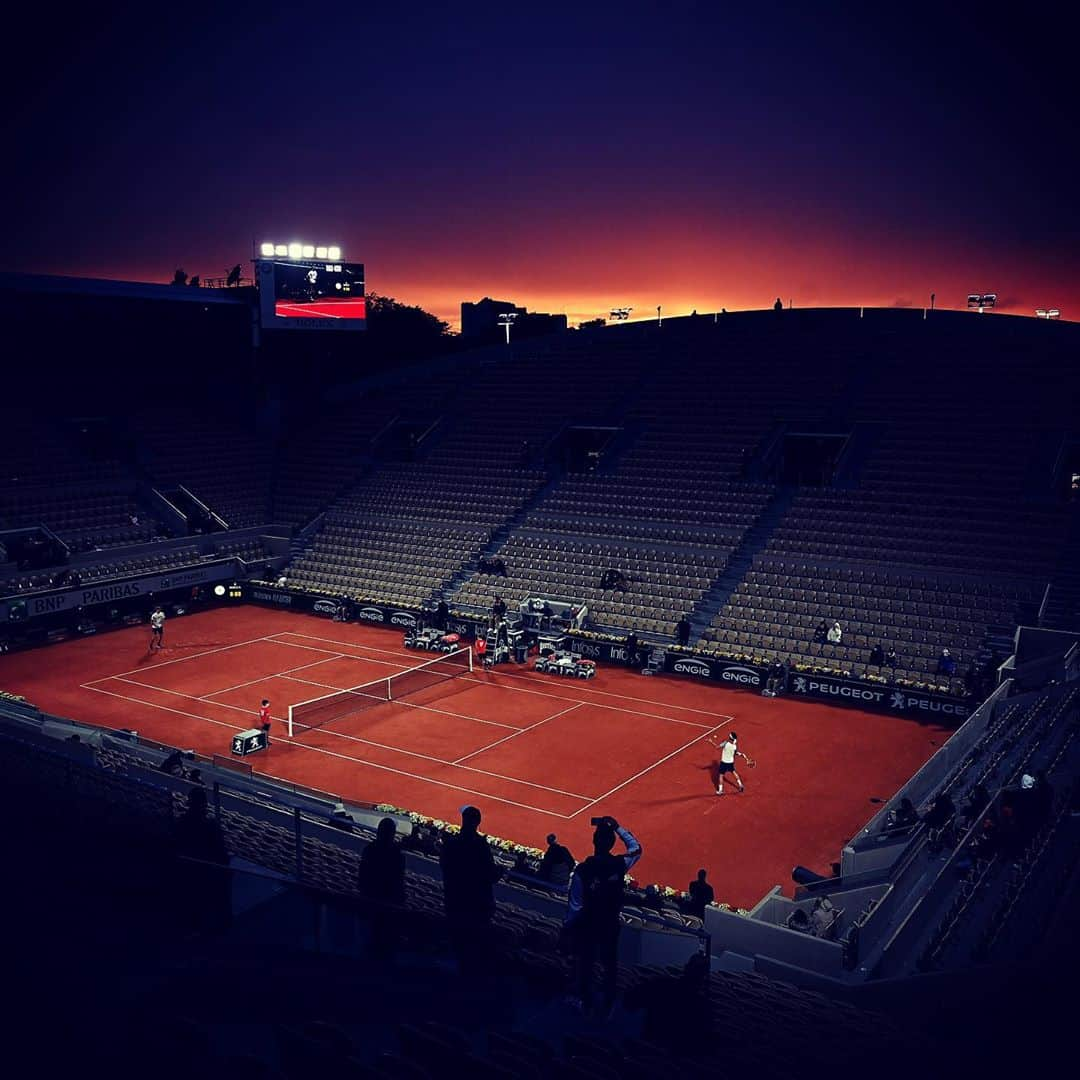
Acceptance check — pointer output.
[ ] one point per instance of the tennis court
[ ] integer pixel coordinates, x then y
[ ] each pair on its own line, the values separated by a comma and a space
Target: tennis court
536, 753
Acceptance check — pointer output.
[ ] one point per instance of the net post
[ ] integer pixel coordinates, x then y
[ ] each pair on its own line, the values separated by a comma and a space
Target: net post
290, 723
469, 647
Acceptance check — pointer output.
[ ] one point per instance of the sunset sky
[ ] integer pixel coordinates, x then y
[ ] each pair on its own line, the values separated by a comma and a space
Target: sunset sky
567, 157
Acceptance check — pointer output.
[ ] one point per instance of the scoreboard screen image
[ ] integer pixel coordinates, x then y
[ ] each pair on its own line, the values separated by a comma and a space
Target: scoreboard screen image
311, 294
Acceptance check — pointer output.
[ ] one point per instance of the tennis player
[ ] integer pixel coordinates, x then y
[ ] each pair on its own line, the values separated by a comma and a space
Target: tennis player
157, 628
729, 751
264, 719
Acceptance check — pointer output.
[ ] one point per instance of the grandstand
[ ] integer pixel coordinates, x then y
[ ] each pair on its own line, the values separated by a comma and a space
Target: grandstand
760, 473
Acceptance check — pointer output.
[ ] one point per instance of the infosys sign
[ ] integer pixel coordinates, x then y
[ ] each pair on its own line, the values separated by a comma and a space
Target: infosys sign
892, 699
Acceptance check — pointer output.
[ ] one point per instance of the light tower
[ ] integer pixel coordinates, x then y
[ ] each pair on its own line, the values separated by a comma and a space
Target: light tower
620, 314
981, 302
506, 319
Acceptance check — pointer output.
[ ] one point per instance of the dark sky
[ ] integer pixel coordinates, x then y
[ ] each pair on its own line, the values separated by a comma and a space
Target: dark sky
569, 157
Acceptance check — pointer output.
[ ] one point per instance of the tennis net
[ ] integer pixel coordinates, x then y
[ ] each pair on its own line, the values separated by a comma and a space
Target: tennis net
342, 704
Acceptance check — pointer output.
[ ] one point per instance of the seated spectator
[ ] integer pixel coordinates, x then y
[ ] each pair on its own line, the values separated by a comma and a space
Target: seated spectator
652, 900
892, 660
557, 864
877, 655
580, 617
701, 895
822, 632
682, 631
340, 818
835, 634
498, 610
904, 815
777, 678
946, 664
941, 812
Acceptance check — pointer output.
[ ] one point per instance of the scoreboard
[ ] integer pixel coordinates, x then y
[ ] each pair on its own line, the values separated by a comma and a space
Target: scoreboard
301, 293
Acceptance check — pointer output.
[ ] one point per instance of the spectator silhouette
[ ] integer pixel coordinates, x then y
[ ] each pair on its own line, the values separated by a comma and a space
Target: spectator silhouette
204, 891
442, 613
381, 877
779, 305
682, 631
701, 895
557, 864
179, 277
469, 874
592, 920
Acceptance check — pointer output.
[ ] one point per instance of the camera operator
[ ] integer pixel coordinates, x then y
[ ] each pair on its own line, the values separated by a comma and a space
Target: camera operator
592, 923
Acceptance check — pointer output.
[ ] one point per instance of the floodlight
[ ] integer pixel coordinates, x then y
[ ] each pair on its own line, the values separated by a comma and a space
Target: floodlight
309, 251
333, 252
621, 314
1048, 313
973, 299
294, 250
219, 590
320, 253
281, 250
266, 250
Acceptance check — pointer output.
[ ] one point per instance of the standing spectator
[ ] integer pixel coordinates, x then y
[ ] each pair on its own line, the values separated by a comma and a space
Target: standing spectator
701, 895
381, 875
469, 874
682, 631
779, 305
442, 613
631, 650
877, 655
592, 919
835, 634
204, 889
557, 864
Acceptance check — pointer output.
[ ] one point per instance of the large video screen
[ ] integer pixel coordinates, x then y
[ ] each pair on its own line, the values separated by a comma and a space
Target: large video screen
311, 294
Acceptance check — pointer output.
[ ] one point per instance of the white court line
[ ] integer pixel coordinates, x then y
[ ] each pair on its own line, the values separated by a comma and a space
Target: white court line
638, 775
195, 656
543, 693
520, 731
335, 754
276, 675
358, 739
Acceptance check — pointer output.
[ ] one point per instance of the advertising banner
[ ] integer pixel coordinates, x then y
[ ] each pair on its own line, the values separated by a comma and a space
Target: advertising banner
898, 699
19, 609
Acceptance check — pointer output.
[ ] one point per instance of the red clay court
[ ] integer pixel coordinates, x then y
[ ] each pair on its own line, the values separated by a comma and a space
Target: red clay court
537, 753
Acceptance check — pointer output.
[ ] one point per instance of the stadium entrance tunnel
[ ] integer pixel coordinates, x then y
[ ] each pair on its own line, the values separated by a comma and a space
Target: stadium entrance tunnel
810, 458
581, 449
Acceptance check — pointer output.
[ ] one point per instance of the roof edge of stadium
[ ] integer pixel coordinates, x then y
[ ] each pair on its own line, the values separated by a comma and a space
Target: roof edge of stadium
131, 290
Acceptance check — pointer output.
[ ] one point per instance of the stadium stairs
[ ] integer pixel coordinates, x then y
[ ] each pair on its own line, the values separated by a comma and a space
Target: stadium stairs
754, 542
498, 538
860, 446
